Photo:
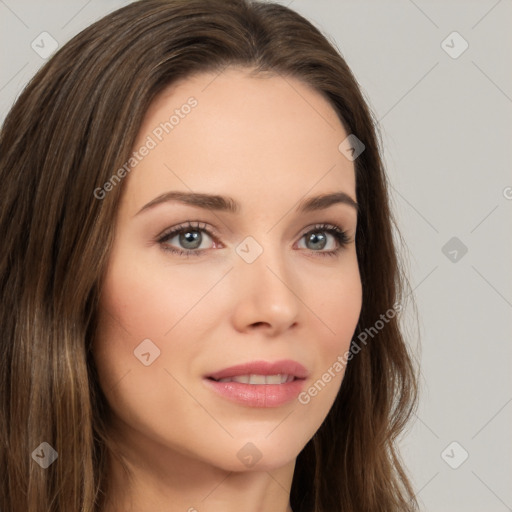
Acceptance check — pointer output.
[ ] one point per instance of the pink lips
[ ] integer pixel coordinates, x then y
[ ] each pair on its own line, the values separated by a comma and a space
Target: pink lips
259, 395
286, 366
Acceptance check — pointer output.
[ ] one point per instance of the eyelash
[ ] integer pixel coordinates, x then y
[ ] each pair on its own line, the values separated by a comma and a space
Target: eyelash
341, 237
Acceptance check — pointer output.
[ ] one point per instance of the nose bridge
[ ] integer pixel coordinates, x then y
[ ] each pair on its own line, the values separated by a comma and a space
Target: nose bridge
266, 285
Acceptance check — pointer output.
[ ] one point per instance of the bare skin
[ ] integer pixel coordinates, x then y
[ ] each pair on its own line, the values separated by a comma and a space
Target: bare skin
267, 145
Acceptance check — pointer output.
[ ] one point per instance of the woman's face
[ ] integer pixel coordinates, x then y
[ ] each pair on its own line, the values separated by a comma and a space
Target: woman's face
269, 282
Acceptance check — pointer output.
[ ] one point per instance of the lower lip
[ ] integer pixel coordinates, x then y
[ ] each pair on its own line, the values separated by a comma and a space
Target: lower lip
258, 395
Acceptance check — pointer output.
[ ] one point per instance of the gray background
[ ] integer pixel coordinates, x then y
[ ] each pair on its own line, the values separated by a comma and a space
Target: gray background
446, 129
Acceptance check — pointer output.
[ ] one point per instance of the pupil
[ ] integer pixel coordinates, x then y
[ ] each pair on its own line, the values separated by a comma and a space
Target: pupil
315, 238
191, 237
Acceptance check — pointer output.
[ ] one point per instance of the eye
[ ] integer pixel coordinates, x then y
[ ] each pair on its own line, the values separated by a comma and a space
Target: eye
318, 238
189, 236
187, 239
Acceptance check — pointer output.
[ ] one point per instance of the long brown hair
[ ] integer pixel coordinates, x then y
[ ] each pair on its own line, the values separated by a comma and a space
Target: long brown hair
73, 125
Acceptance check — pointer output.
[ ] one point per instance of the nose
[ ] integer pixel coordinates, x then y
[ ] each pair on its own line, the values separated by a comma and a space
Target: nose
267, 294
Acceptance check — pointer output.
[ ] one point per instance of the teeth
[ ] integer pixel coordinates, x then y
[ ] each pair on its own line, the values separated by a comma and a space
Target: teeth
272, 379
259, 379
243, 379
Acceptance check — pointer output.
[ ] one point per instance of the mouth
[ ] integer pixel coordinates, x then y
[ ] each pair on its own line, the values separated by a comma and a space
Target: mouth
259, 383
259, 379
261, 372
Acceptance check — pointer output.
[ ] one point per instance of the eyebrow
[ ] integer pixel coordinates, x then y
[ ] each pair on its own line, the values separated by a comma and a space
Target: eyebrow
230, 205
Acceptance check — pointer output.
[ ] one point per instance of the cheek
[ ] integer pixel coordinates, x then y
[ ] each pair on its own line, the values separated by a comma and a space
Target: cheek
138, 307
137, 304
148, 300
337, 301
345, 310
145, 300
337, 306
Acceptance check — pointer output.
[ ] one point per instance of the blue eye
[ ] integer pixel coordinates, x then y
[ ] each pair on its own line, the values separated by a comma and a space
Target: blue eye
190, 236
317, 236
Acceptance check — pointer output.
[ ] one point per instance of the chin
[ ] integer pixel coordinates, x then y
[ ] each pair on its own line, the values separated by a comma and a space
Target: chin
262, 453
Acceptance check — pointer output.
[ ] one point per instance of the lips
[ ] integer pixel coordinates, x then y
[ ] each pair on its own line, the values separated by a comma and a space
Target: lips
262, 372
259, 383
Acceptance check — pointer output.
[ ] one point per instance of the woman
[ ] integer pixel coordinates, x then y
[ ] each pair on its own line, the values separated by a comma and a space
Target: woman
199, 281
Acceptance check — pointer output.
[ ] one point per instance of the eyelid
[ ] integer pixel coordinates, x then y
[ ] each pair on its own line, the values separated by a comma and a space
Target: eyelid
326, 226
189, 224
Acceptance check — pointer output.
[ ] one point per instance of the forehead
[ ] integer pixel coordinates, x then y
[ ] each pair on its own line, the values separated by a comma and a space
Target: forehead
257, 136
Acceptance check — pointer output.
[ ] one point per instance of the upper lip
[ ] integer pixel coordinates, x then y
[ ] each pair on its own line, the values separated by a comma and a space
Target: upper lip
285, 366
